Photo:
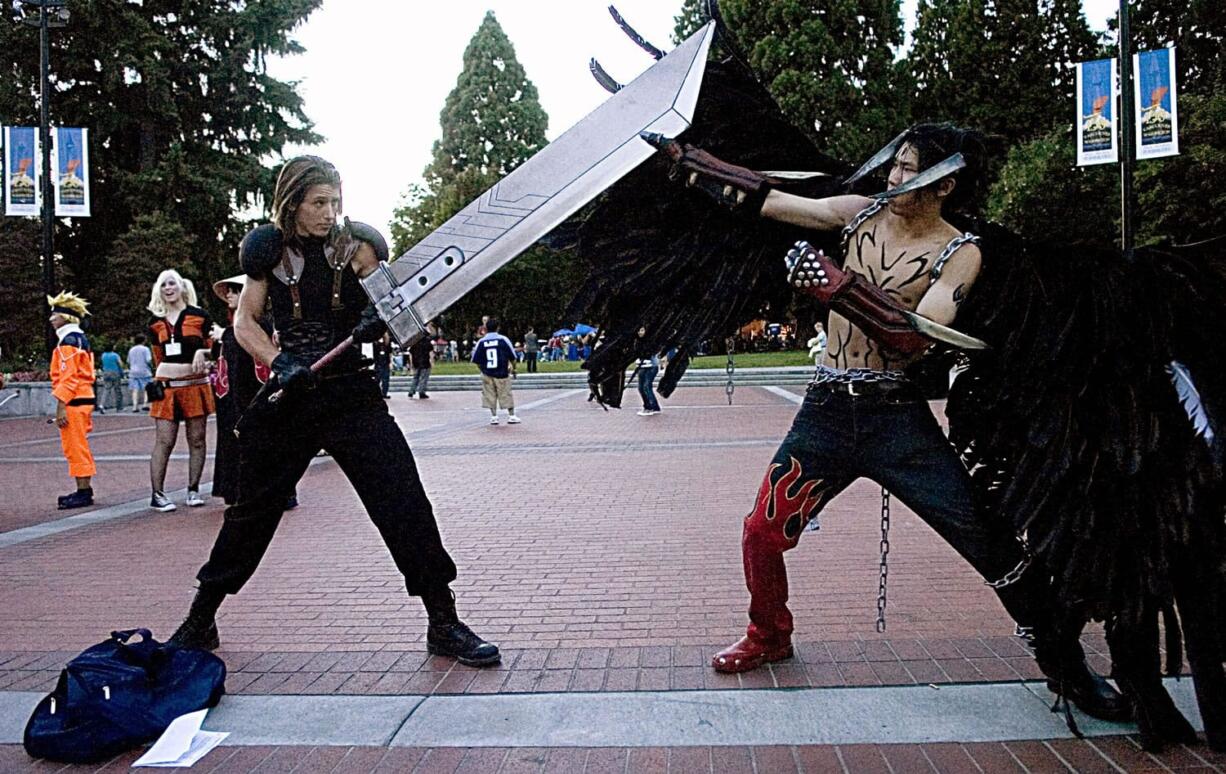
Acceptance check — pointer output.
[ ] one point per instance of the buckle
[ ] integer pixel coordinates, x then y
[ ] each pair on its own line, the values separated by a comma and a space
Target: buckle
851, 389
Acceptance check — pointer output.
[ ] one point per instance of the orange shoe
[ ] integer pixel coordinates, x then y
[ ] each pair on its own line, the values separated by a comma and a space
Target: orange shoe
748, 654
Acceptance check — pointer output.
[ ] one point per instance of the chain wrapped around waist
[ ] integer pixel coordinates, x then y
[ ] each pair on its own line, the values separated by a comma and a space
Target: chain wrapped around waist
863, 381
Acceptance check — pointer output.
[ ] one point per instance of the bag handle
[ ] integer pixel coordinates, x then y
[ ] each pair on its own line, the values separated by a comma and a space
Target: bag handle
142, 650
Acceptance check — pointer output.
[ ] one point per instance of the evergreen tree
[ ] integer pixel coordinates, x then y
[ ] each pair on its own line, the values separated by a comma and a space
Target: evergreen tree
829, 64
491, 123
689, 19
181, 113
1197, 28
1002, 66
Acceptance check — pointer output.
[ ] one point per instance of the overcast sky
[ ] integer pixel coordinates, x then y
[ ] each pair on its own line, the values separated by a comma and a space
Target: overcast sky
376, 72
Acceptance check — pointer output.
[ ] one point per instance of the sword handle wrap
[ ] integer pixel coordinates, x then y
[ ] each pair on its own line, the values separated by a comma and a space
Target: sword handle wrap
738, 188
865, 305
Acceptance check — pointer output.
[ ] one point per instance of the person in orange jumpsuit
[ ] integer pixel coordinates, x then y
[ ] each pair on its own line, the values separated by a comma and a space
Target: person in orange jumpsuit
72, 385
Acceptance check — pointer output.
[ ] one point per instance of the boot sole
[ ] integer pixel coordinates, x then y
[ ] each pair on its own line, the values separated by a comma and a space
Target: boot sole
1122, 715
434, 650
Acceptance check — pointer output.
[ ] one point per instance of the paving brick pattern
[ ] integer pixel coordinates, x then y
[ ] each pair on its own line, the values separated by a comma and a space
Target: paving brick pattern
600, 549
1106, 754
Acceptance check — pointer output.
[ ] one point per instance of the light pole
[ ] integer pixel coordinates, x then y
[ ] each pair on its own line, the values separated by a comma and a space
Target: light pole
1128, 144
46, 14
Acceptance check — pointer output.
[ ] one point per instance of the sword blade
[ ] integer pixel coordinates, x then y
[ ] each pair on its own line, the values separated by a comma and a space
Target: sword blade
545, 190
945, 334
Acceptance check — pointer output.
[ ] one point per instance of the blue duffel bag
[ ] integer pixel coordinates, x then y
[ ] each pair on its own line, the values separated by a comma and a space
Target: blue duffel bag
119, 694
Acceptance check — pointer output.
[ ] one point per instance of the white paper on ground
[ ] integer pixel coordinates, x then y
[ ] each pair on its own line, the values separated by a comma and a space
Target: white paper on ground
182, 743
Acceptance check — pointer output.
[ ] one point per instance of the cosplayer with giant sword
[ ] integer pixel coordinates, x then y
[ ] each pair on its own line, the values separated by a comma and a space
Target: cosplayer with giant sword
307, 267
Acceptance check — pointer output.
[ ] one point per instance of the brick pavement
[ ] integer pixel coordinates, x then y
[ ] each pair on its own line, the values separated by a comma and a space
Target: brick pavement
1104, 754
600, 549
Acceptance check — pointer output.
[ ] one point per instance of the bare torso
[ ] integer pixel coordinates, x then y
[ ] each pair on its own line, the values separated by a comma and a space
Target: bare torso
900, 264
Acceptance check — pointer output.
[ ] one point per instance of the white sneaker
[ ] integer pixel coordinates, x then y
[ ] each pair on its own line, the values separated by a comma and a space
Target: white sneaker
493, 420
194, 500
513, 420
644, 413
160, 502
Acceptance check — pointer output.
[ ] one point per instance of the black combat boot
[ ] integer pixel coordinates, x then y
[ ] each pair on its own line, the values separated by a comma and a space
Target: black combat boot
448, 636
199, 629
1057, 649
80, 498
1063, 661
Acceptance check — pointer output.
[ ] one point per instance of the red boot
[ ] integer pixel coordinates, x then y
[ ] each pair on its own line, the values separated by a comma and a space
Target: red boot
750, 653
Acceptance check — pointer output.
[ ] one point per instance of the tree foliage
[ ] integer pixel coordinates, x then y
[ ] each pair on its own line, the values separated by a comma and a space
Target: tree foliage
830, 65
491, 122
1197, 28
182, 117
1002, 66
693, 14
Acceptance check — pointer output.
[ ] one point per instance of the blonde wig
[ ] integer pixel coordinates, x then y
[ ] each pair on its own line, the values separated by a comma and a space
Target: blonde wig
70, 306
157, 306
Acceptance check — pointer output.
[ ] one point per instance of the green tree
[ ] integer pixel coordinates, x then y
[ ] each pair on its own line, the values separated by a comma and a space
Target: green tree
1002, 66
693, 14
830, 65
1197, 28
491, 123
1042, 192
23, 307
182, 117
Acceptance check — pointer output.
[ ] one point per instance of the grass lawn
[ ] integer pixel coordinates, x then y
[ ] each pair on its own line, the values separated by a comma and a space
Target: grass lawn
753, 360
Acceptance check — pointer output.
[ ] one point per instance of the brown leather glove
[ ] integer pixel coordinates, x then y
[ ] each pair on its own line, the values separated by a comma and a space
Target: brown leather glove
735, 187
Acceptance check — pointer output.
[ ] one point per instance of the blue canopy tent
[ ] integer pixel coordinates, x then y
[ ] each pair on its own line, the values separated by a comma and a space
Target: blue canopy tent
563, 332
583, 329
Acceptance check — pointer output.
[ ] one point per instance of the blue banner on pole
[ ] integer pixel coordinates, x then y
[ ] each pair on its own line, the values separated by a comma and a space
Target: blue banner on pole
71, 171
1157, 113
1096, 114
22, 194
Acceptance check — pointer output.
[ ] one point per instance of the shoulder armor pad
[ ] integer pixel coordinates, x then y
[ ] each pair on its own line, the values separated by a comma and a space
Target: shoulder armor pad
371, 236
260, 250
77, 340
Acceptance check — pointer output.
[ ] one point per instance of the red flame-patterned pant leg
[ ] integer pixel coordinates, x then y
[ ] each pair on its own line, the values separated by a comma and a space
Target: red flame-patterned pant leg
805, 475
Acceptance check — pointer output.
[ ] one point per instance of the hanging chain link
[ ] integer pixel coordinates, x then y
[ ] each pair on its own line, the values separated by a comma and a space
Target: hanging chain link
1014, 575
885, 552
729, 388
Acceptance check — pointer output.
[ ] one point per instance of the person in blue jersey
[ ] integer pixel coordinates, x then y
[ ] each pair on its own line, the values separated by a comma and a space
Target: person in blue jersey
495, 356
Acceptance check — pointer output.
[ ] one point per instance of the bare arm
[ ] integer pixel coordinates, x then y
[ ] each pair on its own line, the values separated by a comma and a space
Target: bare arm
828, 214
247, 330
941, 302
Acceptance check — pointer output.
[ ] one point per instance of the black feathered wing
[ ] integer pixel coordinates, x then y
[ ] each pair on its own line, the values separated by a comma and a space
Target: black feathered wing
1071, 425
665, 258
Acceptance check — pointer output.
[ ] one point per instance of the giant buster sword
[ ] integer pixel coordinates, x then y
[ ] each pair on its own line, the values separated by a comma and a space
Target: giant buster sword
545, 190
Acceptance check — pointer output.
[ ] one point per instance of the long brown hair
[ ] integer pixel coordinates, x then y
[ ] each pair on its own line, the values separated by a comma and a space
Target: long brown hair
293, 182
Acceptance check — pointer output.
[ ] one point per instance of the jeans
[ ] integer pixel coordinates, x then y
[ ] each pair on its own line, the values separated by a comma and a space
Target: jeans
421, 378
111, 387
348, 417
383, 372
894, 440
647, 376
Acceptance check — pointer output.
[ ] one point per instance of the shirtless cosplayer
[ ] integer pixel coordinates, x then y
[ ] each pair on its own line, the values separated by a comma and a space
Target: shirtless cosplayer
861, 416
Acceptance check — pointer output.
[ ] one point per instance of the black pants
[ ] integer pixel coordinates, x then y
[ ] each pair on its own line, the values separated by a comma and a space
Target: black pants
894, 440
347, 417
531, 358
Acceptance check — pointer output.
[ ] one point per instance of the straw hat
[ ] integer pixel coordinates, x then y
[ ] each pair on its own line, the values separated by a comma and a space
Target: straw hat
219, 287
